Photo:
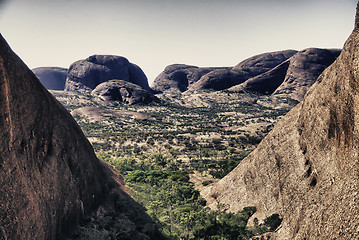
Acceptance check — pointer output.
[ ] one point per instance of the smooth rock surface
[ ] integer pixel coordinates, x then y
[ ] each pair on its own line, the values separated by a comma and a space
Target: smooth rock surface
178, 77
52, 78
85, 75
304, 69
293, 77
122, 91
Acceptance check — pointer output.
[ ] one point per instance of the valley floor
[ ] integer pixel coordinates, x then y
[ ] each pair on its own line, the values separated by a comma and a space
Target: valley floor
169, 151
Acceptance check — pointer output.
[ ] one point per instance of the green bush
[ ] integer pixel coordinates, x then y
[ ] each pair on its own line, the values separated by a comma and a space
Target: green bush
273, 221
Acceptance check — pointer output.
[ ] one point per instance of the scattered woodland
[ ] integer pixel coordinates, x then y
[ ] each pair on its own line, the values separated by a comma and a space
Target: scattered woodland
168, 151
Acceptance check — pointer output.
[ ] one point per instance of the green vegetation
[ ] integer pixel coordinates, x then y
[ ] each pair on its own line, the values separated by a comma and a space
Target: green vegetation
162, 151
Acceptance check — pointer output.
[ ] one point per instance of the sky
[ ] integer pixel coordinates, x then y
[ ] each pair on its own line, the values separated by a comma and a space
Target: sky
156, 33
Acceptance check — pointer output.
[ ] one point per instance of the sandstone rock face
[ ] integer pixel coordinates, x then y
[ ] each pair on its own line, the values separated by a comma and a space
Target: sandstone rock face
52, 78
85, 75
306, 169
50, 177
122, 91
293, 77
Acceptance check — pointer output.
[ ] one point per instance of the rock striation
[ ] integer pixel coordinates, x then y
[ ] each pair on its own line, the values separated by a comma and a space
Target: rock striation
85, 75
306, 169
122, 91
51, 180
52, 78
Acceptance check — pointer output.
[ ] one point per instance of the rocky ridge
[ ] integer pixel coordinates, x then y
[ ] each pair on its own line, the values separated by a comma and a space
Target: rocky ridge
305, 170
51, 179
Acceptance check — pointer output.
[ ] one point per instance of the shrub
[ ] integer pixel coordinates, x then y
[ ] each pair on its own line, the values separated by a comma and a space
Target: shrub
273, 221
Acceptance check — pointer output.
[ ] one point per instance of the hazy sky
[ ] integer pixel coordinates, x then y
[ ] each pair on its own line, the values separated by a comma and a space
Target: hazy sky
156, 33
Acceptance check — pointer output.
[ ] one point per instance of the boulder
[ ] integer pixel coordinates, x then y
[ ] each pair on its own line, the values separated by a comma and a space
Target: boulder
122, 91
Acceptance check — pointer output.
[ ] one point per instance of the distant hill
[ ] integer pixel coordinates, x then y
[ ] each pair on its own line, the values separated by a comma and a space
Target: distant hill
293, 77
289, 73
85, 75
52, 78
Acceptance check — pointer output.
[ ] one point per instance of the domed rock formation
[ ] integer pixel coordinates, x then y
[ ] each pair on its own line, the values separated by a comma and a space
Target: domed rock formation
287, 73
253, 66
293, 77
306, 169
85, 75
180, 77
122, 91
51, 180
52, 78
304, 69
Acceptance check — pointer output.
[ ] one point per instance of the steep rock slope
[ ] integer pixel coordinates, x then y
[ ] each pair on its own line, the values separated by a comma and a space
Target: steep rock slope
85, 75
306, 169
122, 91
51, 180
52, 78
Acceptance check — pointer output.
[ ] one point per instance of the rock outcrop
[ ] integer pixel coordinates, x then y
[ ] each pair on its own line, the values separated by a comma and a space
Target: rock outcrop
52, 78
180, 77
51, 180
287, 73
122, 91
304, 69
293, 77
85, 75
306, 169
251, 67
